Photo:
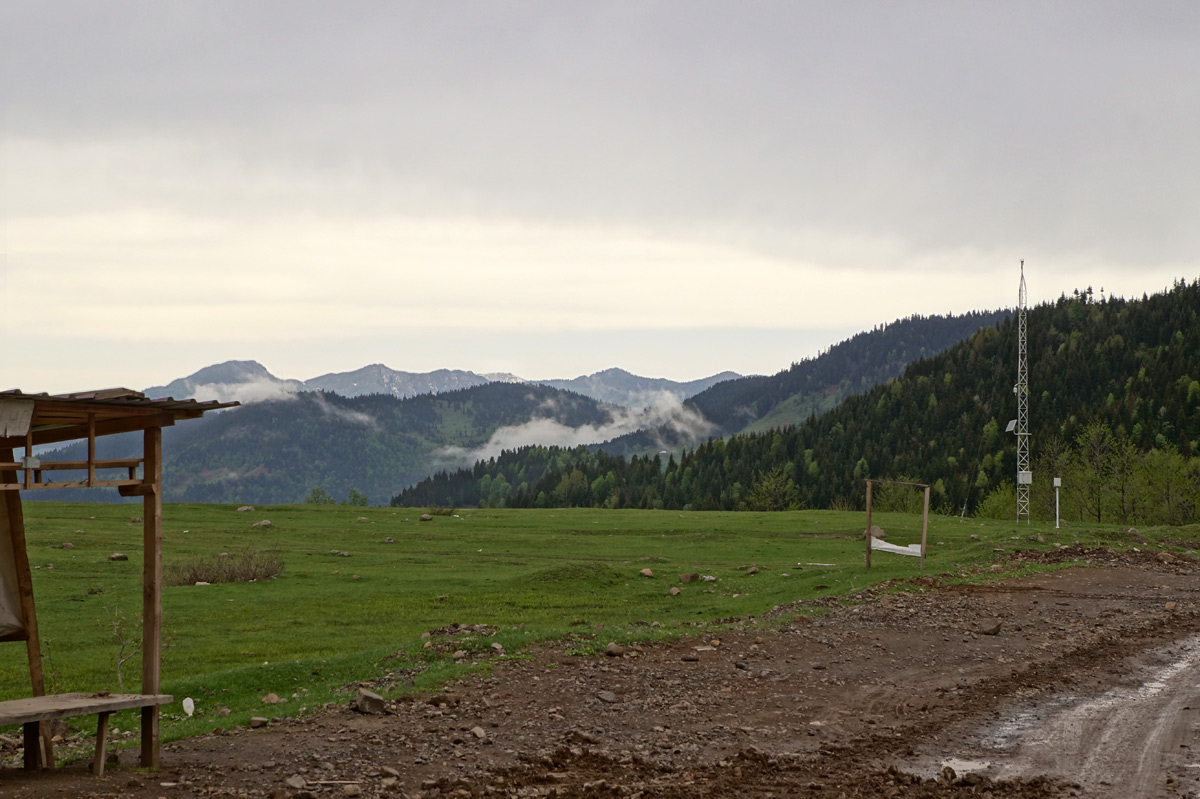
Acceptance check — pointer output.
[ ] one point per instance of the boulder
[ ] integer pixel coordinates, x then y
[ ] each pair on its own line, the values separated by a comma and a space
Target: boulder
368, 702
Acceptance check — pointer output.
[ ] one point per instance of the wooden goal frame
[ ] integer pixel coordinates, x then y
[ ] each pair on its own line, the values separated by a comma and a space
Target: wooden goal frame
924, 517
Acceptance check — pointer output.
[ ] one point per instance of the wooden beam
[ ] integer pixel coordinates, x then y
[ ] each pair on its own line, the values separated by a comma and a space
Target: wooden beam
924, 528
79, 430
868, 533
91, 456
62, 466
71, 484
151, 592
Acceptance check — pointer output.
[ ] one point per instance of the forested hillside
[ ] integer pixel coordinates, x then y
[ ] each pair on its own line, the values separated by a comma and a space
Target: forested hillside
1115, 406
277, 451
813, 385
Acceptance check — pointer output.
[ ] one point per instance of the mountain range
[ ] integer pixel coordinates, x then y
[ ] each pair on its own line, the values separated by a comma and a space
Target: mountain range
288, 439
249, 381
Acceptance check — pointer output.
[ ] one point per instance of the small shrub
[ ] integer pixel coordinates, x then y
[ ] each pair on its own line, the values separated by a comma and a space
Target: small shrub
242, 567
437, 510
1001, 503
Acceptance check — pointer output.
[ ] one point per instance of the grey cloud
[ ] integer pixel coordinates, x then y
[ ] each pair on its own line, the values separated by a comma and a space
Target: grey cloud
1065, 127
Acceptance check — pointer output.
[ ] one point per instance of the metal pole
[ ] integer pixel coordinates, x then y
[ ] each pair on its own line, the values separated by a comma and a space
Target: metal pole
868, 531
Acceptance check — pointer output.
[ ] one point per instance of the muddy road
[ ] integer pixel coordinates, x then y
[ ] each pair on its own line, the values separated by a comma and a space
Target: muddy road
1081, 682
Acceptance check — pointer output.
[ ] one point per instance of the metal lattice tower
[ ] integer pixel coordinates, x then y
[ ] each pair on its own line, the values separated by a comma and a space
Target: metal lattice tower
1021, 389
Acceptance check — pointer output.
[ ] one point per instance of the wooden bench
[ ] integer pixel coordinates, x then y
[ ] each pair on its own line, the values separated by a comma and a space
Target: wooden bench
31, 712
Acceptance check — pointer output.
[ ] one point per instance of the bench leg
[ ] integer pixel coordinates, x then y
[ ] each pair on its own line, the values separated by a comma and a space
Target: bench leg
150, 753
48, 744
33, 744
101, 744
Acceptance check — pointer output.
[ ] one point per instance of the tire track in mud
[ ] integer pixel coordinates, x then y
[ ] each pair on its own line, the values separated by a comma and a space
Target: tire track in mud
1126, 742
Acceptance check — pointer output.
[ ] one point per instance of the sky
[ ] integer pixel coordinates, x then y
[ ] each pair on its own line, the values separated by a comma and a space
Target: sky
551, 189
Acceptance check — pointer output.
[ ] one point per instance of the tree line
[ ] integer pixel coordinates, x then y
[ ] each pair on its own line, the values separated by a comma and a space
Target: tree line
1129, 367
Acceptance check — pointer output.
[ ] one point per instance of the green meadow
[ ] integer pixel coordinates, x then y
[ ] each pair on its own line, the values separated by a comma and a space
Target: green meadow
350, 605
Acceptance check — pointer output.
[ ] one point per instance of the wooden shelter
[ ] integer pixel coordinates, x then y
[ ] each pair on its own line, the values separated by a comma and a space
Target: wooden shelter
30, 420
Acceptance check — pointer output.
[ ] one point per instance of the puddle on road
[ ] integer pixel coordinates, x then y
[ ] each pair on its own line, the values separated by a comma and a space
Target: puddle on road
963, 766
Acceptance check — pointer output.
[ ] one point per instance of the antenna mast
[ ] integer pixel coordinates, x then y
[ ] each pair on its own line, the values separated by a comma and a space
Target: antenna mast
1021, 389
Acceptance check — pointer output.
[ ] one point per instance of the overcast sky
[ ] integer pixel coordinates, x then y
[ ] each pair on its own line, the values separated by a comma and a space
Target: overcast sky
550, 189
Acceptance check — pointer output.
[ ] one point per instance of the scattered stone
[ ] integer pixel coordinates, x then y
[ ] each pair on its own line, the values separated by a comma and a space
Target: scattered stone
614, 650
690, 659
708, 578
990, 629
752, 570
742, 666
1170, 606
689, 578
67, 545
271, 699
974, 537
368, 702
135, 520
498, 648
876, 532
363, 519
646, 573
389, 540
243, 509
353, 789
607, 696
295, 781
258, 721
674, 591
459, 654
426, 517
479, 732
264, 523
118, 556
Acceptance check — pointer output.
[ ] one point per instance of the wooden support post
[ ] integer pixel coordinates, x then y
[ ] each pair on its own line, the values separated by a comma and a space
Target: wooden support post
28, 455
151, 591
924, 528
91, 462
13, 525
868, 532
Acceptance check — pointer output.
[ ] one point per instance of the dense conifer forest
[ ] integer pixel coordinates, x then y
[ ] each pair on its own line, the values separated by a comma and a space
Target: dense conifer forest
1114, 411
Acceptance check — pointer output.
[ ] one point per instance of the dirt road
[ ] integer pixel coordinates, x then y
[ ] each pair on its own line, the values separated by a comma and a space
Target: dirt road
1082, 682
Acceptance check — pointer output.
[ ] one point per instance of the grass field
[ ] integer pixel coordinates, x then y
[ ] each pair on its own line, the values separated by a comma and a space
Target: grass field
352, 606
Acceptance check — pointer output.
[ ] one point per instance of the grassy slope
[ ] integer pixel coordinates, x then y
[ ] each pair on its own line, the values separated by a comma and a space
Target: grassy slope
332, 619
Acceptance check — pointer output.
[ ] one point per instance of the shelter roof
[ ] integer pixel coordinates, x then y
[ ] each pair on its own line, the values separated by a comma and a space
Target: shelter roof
66, 417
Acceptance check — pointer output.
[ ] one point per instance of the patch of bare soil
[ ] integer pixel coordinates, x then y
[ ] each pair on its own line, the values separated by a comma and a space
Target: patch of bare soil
1080, 682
